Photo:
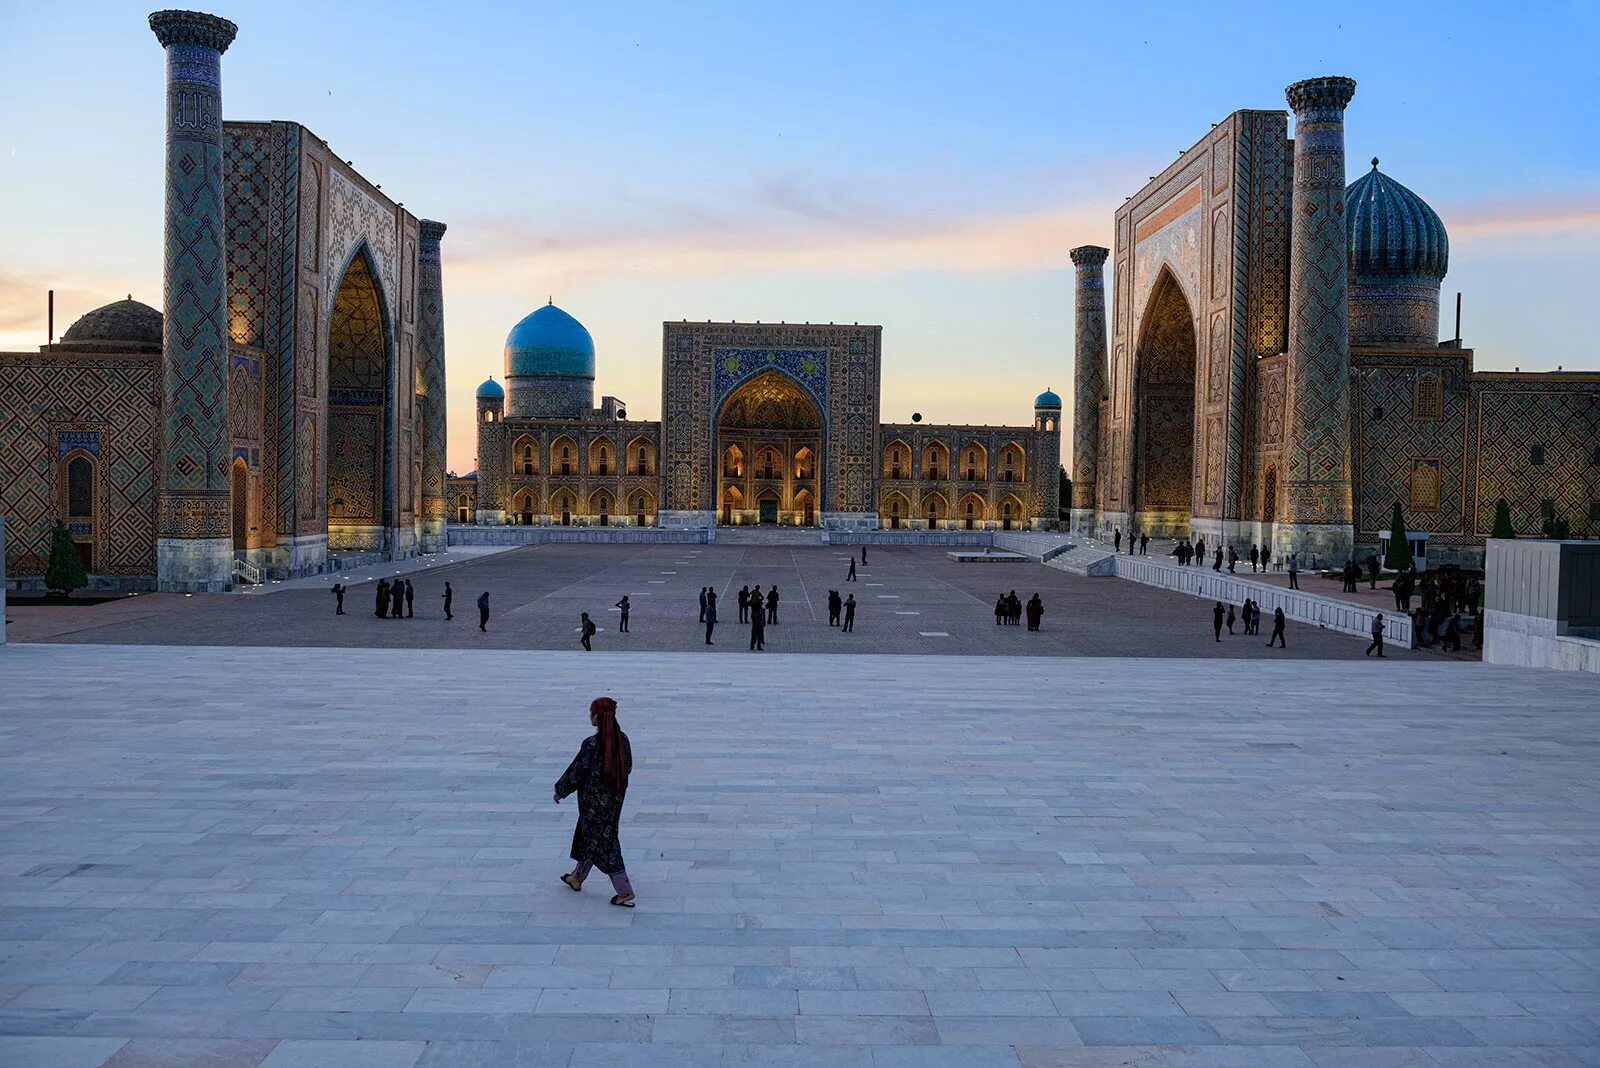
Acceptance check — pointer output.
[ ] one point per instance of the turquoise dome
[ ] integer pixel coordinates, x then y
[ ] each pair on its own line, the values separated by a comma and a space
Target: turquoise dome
1047, 399
550, 343
491, 390
1393, 232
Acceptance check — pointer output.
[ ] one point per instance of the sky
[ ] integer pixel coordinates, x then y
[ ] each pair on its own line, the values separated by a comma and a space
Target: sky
924, 167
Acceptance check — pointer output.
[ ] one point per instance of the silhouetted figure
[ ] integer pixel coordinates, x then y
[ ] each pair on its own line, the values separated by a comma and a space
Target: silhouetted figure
772, 606
851, 577
744, 604
1133, 541
397, 599
1230, 618
850, 613
1266, 555
586, 629
1373, 569
758, 625
1233, 558
1116, 540
622, 621
1035, 611
863, 554
1216, 565
1294, 571
1144, 545
1377, 635
483, 610
703, 591
711, 616
1277, 630
1255, 556
1217, 615
410, 594
383, 598
599, 776
449, 595
1452, 634
1000, 608
1255, 617
835, 606
1200, 550
338, 594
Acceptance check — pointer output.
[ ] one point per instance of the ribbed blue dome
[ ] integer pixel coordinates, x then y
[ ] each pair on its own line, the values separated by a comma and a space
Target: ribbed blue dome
550, 343
1392, 231
1047, 399
491, 390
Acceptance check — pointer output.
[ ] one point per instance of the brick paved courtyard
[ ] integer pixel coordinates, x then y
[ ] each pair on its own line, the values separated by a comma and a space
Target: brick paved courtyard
910, 600
243, 857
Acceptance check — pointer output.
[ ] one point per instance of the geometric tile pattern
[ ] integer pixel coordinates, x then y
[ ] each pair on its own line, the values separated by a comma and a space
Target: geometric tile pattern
1089, 369
1390, 440
1514, 414
431, 364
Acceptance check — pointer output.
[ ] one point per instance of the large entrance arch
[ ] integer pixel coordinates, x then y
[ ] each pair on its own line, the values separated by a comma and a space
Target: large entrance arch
359, 412
1164, 404
769, 436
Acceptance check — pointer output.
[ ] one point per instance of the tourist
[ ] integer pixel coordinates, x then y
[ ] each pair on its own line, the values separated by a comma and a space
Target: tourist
586, 630
1277, 629
483, 610
835, 606
410, 594
1216, 565
850, 613
1013, 608
758, 624
1294, 571
744, 603
1266, 555
703, 591
624, 606
383, 598
1230, 617
1116, 541
1373, 569
1144, 544
1200, 550
1000, 610
338, 593
1255, 618
1452, 634
863, 554
1255, 556
1217, 615
397, 599
449, 595
772, 606
1036, 610
1133, 540
599, 776
852, 576
711, 616
1377, 636
1233, 558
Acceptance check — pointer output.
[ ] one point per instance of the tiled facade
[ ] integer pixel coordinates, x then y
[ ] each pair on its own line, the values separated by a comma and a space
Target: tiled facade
1254, 393
772, 424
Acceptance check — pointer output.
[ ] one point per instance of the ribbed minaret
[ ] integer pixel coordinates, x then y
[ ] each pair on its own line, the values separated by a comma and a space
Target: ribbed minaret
194, 544
1088, 379
430, 352
1317, 490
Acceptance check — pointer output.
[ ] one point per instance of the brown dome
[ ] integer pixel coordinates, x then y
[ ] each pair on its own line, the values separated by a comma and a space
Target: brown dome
125, 326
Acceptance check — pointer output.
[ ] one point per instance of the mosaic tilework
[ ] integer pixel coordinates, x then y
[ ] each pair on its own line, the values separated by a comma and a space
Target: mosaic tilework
1390, 439
1089, 370
431, 365
248, 169
1511, 415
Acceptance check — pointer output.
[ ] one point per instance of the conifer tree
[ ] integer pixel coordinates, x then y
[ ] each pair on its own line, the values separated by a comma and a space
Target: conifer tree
65, 571
1398, 558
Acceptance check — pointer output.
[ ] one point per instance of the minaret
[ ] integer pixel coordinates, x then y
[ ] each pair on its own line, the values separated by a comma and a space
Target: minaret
491, 414
430, 351
194, 544
1046, 470
1317, 508
1088, 380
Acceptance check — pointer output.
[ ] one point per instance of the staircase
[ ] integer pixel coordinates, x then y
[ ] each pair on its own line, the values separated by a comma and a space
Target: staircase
246, 572
1086, 560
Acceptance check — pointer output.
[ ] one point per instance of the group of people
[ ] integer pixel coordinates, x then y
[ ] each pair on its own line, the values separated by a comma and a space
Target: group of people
396, 600
1008, 610
845, 608
1136, 540
1249, 615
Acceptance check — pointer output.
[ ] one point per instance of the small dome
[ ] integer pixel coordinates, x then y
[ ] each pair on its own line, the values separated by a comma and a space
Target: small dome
550, 343
491, 390
1392, 231
125, 326
1047, 399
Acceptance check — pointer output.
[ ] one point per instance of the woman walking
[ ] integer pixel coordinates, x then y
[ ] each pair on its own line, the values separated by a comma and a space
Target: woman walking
599, 776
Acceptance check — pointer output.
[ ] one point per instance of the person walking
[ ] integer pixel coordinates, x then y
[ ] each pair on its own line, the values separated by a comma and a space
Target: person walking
599, 776
849, 613
1373, 570
1277, 630
772, 606
1200, 551
1217, 615
338, 594
449, 595
703, 591
383, 598
744, 603
1266, 555
835, 606
1377, 636
1216, 565
622, 623
852, 576
410, 595
1294, 571
1233, 558
1255, 618
1144, 544
586, 630
863, 554
483, 610
758, 625
1116, 541
1133, 541
711, 616
1035, 611
1231, 617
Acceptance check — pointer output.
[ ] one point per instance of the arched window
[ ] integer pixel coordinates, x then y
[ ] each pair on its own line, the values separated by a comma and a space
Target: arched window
80, 488
605, 462
644, 465
566, 460
972, 464
894, 466
527, 459
969, 515
769, 465
639, 509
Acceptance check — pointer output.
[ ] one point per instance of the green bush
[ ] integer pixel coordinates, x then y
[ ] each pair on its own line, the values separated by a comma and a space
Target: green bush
65, 572
1398, 558
1502, 521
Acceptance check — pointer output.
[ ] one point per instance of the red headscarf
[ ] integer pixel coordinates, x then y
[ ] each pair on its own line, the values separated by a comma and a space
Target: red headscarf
615, 762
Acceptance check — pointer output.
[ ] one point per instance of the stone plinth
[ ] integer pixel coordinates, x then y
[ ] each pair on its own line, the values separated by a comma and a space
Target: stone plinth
1542, 604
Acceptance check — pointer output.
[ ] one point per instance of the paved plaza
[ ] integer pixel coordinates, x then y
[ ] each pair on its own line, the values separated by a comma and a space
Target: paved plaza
301, 857
909, 601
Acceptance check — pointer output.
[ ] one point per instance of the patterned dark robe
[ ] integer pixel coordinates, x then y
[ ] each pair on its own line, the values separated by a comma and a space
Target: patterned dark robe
594, 840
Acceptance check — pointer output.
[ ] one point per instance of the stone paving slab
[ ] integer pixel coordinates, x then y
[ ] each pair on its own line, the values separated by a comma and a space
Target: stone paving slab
253, 856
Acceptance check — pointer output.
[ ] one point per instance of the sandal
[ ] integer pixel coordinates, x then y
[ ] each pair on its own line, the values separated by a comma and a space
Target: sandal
572, 884
622, 902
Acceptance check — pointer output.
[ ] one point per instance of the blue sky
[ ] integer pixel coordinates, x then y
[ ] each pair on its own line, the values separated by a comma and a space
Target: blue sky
921, 166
